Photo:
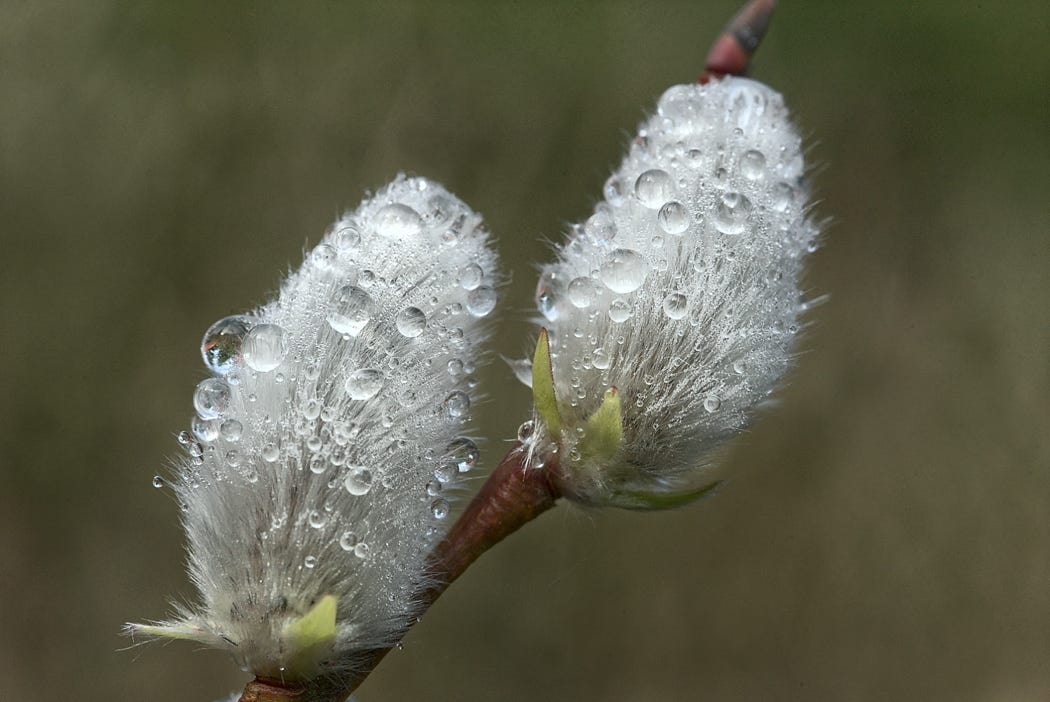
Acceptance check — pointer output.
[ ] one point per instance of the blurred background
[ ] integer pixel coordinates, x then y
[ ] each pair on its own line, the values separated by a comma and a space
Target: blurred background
886, 535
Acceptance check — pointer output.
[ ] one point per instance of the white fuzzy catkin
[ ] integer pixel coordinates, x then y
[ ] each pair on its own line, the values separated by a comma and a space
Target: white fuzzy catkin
332, 430
682, 291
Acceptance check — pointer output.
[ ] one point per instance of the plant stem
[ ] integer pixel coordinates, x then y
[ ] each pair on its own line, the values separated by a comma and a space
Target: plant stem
731, 52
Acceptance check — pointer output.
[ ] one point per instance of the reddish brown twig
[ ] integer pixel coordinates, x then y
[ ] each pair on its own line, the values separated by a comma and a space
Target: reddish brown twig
731, 53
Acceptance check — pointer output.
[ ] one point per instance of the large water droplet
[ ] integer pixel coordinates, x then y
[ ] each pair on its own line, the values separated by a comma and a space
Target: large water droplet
463, 453
601, 359
358, 480
753, 164
614, 191
221, 345
583, 291
362, 550
351, 310
624, 270
457, 404
265, 347
364, 384
411, 322
317, 518
732, 214
211, 399
653, 188
673, 217
323, 256
205, 429
676, 305
481, 301
270, 453
397, 221
712, 403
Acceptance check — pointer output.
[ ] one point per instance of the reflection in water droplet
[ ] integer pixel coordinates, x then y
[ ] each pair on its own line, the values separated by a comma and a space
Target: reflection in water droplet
439, 508
221, 345
463, 453
582, 292
601, 359
470, 276
619, 311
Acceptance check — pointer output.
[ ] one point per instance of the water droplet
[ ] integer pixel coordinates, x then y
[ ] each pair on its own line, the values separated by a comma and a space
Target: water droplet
624, 270
675, 305
739, 367
614, 191
445, 471
619, 311
600, 227
270, 453
158, 482
221, 345
311, 409
205, 429
348, 540
347, 237
233, 458
457, 404
185, 438
358, 480
545, 298
673, 217
582, 292
481, 301
211, 399
195, 449
463, 453
712, 403
351, 310
734, 210
323, 256
265, 347
783, 196
601, 359
364, 384
653, 188
397, 220
526, 430
694, 158
318, 464
439, 508
455, 367
361, 550
310, 561
231, 430
470, 276
317, 519
753, 164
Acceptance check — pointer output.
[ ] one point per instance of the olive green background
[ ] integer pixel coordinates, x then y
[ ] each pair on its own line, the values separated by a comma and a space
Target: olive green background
886, 534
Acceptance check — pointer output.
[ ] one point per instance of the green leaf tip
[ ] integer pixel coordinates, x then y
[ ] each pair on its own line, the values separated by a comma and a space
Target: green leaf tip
604, 431
661, 500
543, 396
309, 637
